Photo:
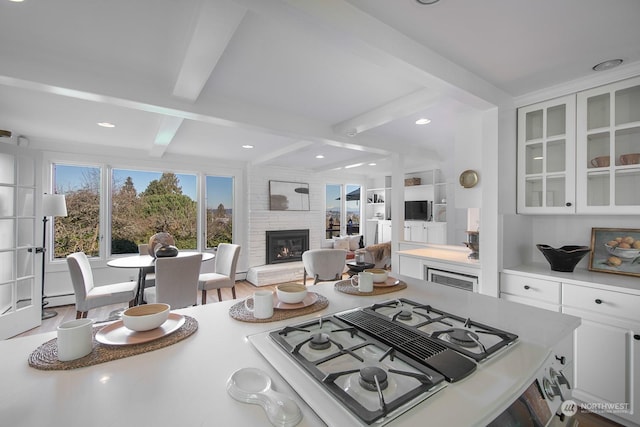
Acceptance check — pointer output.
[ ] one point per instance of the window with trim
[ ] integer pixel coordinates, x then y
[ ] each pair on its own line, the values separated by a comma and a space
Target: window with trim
144, 203
219, 194
333, 206
79, 231
141, 204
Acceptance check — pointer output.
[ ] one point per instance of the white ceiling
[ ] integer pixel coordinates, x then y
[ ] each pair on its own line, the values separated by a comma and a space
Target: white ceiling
294, 79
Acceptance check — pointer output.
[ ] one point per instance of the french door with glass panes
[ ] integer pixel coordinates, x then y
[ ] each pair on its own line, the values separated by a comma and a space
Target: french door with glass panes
20, 294
546, 157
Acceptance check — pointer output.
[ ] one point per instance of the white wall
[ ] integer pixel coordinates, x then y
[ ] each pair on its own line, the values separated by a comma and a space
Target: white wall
260, 218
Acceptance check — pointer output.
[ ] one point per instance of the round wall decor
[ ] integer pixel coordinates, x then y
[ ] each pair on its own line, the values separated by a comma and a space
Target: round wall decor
468, 178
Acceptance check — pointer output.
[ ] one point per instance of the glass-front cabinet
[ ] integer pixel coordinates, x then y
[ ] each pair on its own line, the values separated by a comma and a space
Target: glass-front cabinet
546, 157
608, 152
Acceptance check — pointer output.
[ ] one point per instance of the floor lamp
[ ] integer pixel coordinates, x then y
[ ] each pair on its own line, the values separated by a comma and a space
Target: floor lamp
53, 205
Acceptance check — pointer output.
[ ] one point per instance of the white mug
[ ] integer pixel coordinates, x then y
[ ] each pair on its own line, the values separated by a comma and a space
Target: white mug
262, 304
75, 339
363, 281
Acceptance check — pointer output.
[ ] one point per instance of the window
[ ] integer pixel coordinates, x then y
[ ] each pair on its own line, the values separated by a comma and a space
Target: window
342, 208
219, 210
144, 203
80, 230
141, 204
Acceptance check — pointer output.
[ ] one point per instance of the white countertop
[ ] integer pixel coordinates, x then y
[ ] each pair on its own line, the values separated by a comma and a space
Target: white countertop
184, 384
443, 253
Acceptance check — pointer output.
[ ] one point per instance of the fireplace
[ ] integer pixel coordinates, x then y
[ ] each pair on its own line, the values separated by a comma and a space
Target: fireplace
286, 245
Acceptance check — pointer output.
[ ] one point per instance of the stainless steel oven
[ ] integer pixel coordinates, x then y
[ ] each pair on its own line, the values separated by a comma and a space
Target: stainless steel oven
463, 281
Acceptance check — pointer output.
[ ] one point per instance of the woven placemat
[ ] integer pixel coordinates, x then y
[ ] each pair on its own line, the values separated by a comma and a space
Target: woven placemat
239, 312
45, 357
345, 286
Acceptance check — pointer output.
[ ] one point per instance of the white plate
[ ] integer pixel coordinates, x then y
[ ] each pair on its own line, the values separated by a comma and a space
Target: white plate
117, 334
307, 301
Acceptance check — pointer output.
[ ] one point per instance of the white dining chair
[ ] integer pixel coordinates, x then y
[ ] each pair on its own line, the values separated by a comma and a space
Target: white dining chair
324, 265
176, 281
89, 296
225, 272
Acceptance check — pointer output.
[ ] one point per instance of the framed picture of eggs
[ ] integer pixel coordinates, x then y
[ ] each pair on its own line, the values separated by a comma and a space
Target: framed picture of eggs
615, 250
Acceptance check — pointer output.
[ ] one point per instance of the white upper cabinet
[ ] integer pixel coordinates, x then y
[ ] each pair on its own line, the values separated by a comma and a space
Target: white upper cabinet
546, 157
608, 152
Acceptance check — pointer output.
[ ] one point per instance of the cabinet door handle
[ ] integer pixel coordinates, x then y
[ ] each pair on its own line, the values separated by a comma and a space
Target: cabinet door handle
598, 301
527, 287
636, 337
568, 204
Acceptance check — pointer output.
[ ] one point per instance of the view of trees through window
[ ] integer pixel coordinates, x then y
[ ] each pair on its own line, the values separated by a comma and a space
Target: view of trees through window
145, 203
79, 231
142, 204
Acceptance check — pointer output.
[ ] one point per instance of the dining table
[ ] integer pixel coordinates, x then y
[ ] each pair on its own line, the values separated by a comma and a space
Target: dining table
145, 264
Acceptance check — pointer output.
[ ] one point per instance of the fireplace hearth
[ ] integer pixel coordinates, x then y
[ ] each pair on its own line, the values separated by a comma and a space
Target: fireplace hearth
286, 245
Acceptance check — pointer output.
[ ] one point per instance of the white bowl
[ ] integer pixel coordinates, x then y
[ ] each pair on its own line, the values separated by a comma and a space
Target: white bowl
145, 317
291, 293
379, 274
626, 254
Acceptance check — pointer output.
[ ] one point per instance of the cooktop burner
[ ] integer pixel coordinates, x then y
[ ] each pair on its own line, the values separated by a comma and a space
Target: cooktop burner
464, 335
381, 360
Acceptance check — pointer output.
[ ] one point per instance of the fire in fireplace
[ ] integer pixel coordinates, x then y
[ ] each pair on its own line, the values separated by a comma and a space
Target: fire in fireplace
286, 245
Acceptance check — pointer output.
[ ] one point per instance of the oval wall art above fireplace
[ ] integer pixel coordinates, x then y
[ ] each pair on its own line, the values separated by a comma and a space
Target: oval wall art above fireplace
288, 196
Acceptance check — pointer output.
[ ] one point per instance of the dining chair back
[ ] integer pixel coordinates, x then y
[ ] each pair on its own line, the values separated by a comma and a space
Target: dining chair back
324, 265
176, 281
89, 296
225, 272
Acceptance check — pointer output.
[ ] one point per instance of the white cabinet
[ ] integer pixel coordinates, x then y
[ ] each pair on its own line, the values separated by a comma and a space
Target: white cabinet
608, 153
384, 231
607, 345
546, 157
581, 153
411, 266
425, 232
531, 291
606, 354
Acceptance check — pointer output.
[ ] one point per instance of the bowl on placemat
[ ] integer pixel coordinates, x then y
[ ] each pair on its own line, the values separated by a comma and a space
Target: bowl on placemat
379, 274
145, 317
565, 258
291, 293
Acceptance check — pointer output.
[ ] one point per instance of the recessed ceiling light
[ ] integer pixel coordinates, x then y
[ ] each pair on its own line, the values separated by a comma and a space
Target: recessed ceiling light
319, 156
247, 146
423, 121
16, 1
106, 125
372, 164
607, 65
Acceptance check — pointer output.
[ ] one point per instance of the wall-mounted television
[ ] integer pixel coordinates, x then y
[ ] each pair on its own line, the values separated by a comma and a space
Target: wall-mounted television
418, 210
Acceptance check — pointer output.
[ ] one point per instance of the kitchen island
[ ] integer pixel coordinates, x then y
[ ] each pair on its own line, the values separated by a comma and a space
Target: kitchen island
185, 384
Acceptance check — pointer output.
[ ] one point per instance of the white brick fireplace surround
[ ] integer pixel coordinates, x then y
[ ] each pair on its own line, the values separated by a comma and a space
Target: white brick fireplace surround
261, 219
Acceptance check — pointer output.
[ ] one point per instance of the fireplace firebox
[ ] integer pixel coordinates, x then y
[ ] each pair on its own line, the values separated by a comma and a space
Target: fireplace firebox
286, 245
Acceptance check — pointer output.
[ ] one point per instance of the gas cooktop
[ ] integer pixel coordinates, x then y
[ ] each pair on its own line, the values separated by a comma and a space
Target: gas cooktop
381, 360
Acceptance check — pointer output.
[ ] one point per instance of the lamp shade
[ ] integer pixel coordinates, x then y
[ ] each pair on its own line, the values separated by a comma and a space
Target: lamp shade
54, 205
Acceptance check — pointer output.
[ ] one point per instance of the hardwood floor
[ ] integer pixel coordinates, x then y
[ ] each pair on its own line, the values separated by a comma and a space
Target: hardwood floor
68, 312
